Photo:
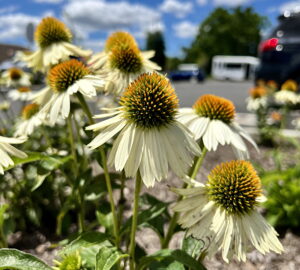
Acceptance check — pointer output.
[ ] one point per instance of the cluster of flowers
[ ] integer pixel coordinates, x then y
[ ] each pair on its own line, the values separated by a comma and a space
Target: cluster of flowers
149, 133
267, 96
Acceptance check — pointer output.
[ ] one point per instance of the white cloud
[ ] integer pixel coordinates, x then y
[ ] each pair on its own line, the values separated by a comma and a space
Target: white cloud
13, 26
230, 2
290, 6
90, 16
179, 8
185, 29
48, 1
202, 2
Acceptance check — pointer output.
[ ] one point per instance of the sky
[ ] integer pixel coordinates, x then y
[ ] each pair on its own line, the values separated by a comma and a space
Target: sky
93, 20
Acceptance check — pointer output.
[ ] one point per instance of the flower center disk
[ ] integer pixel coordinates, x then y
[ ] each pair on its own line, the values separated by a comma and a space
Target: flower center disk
150, 101
50, 31
215, 107
24, 89
30, 110
63, 75
234, 186
15, 74
126, 58
258, 92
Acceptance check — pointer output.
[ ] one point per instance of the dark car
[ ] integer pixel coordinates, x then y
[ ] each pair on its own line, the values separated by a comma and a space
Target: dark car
280, 53
187, 75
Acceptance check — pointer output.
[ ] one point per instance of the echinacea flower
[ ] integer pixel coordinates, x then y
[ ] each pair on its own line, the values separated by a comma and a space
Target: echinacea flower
15, 77
4, 105
98, 60
66, 79
290, 85
257, 99
212, 120
53, 39
223, 212
287, 95
124, 62
22, 93
71, 261
6, 149
150, 138
30, 120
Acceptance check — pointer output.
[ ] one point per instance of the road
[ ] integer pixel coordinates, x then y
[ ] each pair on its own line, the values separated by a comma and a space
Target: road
188, 92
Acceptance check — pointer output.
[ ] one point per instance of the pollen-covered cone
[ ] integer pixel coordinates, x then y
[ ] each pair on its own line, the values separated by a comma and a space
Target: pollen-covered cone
222, 213
15, 77
29, 121
6, 150
257, 99
212, 120
53, 39
122, 62
66, 79
149, 139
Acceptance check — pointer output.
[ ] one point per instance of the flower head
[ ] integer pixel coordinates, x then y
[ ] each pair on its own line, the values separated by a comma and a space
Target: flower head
290, 85
15, 77
257, 99
66, 79
150, 139
54, 46
15, 73
214, 107
212, 120
234, 186
150, 101
257, 92
223, 212
63, 75
72, 261
272, 85
50, 30
30, 110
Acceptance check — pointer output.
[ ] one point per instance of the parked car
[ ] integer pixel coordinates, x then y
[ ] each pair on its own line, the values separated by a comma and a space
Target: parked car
187, 72
280, 52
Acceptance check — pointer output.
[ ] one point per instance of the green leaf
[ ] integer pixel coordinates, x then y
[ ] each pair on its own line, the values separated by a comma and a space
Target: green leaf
192, 246
107, 257
106, 220
85, 240
176, 255
15, 259
39, 180
145, 216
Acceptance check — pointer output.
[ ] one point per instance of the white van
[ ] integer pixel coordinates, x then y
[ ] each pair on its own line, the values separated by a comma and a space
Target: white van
237, 68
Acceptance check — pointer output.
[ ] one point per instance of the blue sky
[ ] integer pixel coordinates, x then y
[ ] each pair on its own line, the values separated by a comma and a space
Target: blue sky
93, 20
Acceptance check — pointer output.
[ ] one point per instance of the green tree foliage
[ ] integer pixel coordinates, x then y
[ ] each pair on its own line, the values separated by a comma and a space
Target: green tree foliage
155, 41
226, 32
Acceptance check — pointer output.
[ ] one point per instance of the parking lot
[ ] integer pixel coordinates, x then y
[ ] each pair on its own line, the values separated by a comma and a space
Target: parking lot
237, 92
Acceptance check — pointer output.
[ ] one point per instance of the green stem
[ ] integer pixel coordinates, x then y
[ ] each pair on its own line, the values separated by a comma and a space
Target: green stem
122, 199
192, 174
137, 190
72, 143
111, 197
85, 108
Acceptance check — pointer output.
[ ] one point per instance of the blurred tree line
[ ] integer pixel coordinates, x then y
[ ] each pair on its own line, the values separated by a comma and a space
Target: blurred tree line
234, 31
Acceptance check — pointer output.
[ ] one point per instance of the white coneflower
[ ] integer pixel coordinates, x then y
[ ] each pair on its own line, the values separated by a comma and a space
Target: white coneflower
287, 94
212, 120
257, 99
22, 93
124, 62
54, 45
222, 213
150, 139
66, 79
98, 60
4, 105
30, 120
15, 77
6, 150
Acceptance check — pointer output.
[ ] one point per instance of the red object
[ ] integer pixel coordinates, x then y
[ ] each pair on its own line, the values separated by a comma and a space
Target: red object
268, 45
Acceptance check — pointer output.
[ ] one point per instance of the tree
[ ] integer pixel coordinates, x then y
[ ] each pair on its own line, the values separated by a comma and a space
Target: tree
226, 32
155, 41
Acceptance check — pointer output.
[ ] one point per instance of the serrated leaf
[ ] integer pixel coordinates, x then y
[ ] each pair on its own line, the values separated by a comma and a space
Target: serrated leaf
176, 255
192, 246
85, 240
107, 257
15, 259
